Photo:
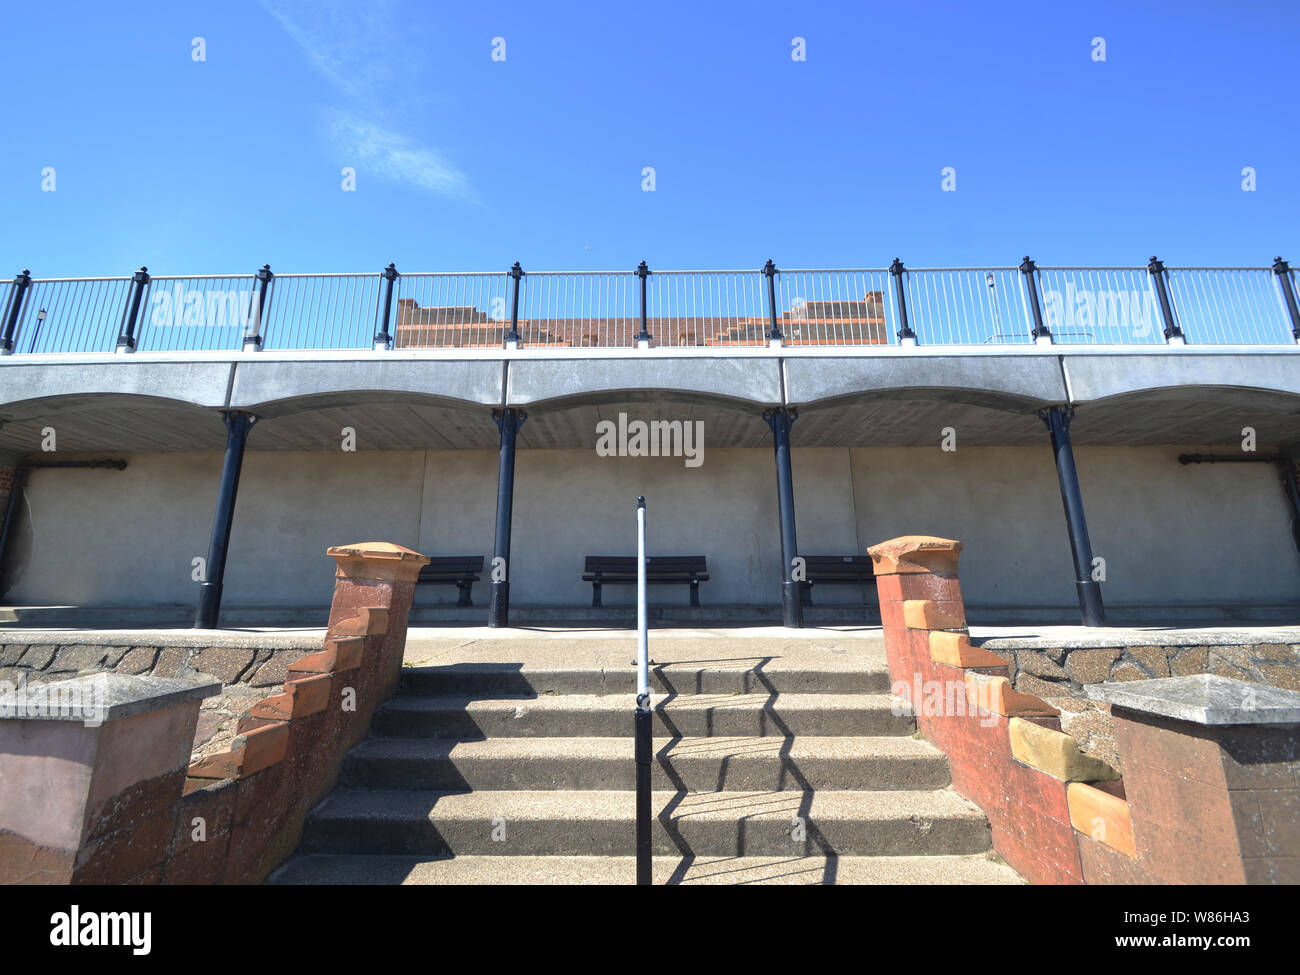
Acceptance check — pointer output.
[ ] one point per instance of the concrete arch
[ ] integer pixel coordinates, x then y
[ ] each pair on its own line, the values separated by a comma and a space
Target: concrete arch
1020, 382
1097, 377
736, 383
275, 387
196, 383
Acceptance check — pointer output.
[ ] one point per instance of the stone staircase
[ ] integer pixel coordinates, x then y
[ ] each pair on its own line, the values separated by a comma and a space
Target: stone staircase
781, 762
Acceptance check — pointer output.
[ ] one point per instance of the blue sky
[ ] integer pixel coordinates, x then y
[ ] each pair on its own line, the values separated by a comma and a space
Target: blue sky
466, 163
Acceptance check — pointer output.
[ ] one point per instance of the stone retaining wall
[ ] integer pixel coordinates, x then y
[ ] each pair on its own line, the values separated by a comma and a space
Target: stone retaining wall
1057, 672
248, 669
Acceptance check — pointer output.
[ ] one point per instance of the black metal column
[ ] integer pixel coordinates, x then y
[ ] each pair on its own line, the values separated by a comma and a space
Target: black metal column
508, 422
1091, 609
1283, 271
770, 272
1173, 334
253, 337
1029, 274
905, 333
512, 336
209, 608
780, 421
383, 341
130, 314
21, 283
643, 272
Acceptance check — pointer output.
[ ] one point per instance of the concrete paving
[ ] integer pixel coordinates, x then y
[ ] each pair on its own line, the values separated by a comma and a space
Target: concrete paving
553, 870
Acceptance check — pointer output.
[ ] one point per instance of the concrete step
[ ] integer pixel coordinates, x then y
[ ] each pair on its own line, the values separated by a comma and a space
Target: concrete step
974, 868
695, 764
600, 823
748, 676
611, 716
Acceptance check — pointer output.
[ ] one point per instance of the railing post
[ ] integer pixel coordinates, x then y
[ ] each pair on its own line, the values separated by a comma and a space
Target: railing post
512, 336
21, 283
643, 339
780, 421
126, 336
1283, 271
383, 338
1041, 333
1173, 334
508, 421
1058, 420
905, 334
643, 723
774, 337
253, 330
223, 519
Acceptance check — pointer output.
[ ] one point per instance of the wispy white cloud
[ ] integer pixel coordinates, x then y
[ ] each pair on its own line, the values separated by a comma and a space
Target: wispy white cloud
395, 157
359, 48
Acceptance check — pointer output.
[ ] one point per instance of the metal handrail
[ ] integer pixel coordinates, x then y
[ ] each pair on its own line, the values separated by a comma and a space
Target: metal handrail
1151, 305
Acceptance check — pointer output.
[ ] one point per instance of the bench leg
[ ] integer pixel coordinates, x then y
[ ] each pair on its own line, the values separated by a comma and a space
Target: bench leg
595, 594
695, 592
463, 597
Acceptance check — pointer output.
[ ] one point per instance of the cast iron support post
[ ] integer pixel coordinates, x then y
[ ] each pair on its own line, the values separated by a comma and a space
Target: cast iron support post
209, 608
257, 314
1058, 420
905, 334
383, 338
1173, 334
1283, 271
21, 283
508, 422
774, 335
780, 421
126, 336
512, 336
643, 339
1029, 271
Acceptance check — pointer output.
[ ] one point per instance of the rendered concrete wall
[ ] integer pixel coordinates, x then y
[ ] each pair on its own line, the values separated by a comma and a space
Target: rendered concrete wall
1168, 532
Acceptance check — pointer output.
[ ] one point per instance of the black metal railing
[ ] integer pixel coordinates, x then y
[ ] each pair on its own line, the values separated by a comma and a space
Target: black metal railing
1020, 304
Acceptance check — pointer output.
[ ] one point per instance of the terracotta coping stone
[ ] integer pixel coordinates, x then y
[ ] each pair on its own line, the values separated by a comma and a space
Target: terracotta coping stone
339, 655
996, 695
915, 553
377, 561
252, 751
369, 621
304, 696
956, 650
926, 614
1091, 808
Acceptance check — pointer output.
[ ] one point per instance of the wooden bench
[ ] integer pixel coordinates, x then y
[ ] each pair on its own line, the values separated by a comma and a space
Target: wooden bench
462, 570
856, 570
620, 570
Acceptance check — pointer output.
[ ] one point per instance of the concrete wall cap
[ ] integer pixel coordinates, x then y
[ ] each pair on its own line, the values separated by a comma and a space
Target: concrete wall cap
1205, 699
101, 697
